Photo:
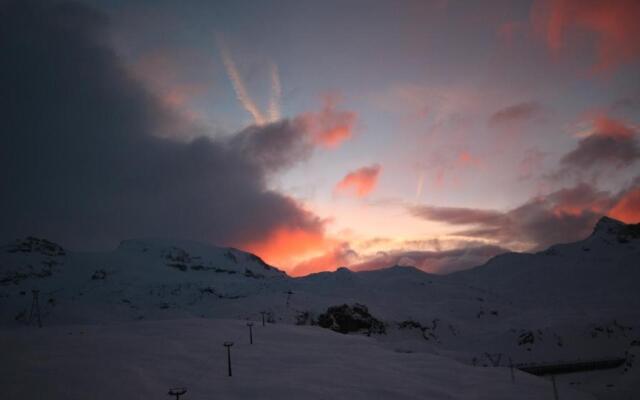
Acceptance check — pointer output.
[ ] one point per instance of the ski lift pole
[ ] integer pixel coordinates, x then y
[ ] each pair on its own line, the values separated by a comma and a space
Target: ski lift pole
555, 388
263, 313
228, 346
250, 325
513, 377
177, 392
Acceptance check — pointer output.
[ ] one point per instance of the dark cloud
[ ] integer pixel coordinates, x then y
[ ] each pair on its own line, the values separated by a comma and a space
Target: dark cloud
515, 113
562, 216
272, 147
627, 103
611, 144
85, 159
458, 216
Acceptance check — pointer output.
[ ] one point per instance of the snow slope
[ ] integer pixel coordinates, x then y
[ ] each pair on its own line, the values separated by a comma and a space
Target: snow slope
143, 360
576, 301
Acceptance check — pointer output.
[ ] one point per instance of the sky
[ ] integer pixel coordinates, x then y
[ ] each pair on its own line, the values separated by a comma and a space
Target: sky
320, 134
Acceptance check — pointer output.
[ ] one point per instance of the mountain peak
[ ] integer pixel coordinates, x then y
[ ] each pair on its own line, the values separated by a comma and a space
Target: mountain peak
608, 225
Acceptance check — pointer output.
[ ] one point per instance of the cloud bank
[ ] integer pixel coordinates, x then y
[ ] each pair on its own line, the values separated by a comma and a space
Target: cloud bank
562, 216
611, 143
85, 160
438, 262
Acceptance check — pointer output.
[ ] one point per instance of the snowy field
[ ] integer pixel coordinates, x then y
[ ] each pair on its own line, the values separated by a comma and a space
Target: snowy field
142, 360
153, 314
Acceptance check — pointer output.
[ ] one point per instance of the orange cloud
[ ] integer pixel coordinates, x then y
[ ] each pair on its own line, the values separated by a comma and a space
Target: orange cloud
339, 256
627, 209
329, 127
360, 182
597, 206
614, 23
286, 246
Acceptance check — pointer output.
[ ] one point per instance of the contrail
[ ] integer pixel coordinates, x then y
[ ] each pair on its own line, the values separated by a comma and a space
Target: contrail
420, 185
276, 94
238, 84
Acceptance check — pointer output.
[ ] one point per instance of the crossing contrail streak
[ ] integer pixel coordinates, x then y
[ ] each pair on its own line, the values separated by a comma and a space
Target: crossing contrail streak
238, 85
276, 94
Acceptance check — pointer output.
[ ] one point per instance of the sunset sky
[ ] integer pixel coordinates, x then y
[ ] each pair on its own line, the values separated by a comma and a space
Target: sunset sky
320, 134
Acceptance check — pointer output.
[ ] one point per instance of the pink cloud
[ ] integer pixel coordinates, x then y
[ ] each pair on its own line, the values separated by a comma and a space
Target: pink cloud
329, 127
613, 24
360, 182
466, 159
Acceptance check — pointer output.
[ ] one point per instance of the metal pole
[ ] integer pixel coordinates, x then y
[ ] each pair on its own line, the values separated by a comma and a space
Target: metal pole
263, 313
228, 346
555, 389
250, 325
513, 377
177, 392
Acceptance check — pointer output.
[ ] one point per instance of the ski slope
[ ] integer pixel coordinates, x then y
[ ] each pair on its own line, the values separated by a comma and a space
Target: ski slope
144, 359
571, 302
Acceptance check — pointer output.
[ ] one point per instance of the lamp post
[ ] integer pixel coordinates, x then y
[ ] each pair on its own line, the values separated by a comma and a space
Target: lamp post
228, 346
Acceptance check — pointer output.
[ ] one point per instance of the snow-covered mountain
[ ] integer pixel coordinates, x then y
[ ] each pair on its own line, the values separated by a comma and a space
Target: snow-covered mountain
602, 270
140, 279
570, 302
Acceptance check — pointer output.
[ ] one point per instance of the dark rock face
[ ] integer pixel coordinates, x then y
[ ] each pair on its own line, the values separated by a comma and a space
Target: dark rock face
346, 318
36, 245
99, 275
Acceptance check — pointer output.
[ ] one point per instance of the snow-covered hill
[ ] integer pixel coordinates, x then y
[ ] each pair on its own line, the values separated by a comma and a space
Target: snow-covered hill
576, 301
602, 270
140, 279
